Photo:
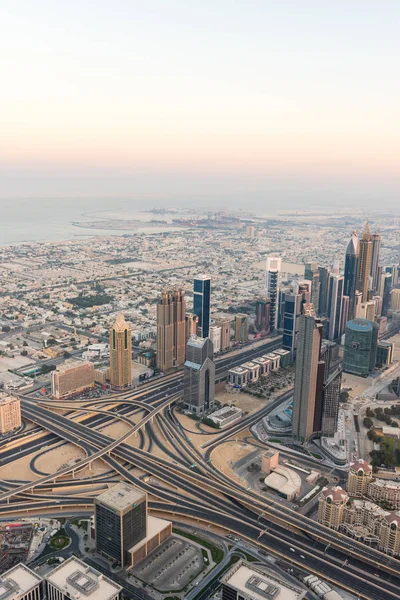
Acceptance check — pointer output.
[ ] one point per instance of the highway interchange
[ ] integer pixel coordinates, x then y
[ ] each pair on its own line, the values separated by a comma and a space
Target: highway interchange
187, 484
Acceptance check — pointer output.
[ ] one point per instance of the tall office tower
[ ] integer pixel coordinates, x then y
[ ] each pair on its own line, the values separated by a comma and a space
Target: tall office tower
306, 375
311, 273
378, 305
272, 277
330, 402
335, 299
395, 299
199, 375
225, 325
201, 304
374, 270
367, 310
241, 327
215, 337
120, 353
345, 313
292, 312
392, 269
10, 414
364, 262
171, 330
262, 323
387, 288
323, 290
360, 346
71, 377
191, 324
357, 304
350, 272
120, 521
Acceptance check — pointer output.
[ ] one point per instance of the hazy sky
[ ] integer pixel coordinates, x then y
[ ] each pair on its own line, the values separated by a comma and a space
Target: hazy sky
265, 100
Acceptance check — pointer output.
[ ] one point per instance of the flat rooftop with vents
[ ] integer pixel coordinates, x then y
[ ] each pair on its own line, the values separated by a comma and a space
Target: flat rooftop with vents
19, 583
75, 579
121, 496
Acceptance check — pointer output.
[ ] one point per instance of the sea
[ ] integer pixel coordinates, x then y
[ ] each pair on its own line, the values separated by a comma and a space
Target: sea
42, 220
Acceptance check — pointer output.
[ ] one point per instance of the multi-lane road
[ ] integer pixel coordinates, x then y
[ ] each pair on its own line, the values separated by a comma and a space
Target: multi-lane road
187, 484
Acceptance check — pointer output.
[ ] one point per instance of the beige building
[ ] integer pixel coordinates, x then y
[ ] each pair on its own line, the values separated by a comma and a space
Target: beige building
10, 414
381, 490
75, 579
367, 310
331, 506
20, 583
364, 262
121, 353
389, 538
71, 377
241, 327
360, 476
269, 461
250, 231
171, 330
191, 323
225, 325
395, 299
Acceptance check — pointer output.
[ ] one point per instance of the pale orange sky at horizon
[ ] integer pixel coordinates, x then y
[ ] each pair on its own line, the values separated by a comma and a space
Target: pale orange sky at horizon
177, 89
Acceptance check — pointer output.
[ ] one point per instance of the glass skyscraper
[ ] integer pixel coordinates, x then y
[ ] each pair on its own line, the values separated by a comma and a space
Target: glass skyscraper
201, 304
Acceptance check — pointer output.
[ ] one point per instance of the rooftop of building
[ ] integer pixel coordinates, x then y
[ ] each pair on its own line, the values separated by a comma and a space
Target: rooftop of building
386, 483
75, 578
362, 465
239, 370
335, 493
270, 452
255, 583
121, 496
393, 518
250, 365
17, 581
196, 341
225, 412
284, 480
71, 363
5, 399
361, 325
120, 323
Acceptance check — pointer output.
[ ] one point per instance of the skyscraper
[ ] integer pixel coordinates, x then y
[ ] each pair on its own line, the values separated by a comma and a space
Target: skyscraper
360, 346
272, 277
335, 298
364, 262
201, 304
387, 288
323, 290
120, 521
225, 325
374, 270
171, 330
291, 315
262, 323
199, 375
306, 375
241, 327
350, 272
120, 353
311, 273
191, 323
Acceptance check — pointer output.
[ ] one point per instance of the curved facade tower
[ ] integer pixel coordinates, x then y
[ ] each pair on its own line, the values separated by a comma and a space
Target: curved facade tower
351, 271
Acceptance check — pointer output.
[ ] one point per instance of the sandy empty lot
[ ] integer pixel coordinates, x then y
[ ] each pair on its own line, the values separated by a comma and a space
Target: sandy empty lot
18, 470
226, 455
246, 402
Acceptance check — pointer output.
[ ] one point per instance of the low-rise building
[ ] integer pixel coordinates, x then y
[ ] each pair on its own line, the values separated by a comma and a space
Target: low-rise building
10, 414
253, 369
226, 416
72, 377
238, 377
74, 579
389, 536
269, 460
264, 364
275, 360
285, 357
20, 583
384, 354
246, 581
285, 482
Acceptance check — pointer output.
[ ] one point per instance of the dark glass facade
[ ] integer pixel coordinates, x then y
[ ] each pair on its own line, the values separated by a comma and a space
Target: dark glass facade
108, 533
201, 305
